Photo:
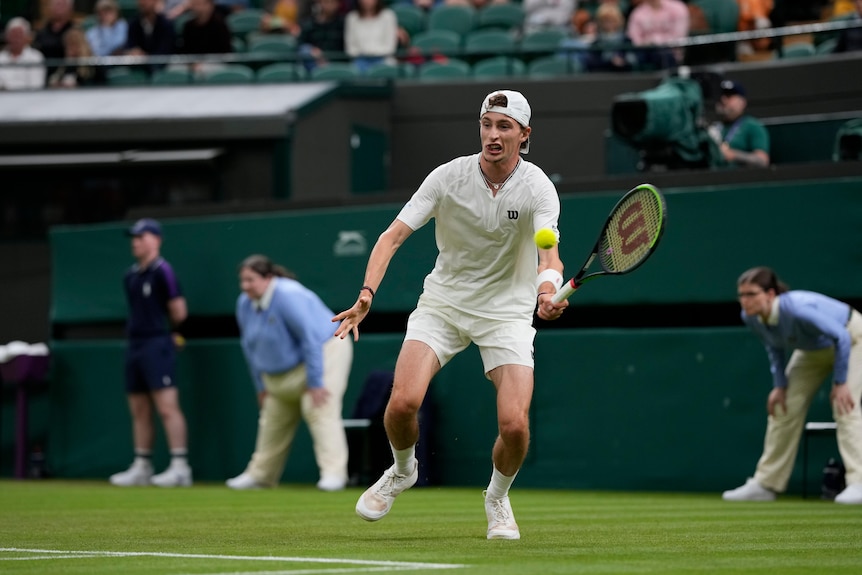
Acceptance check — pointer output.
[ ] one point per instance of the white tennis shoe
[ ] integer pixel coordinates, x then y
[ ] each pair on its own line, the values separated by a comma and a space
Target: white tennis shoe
750, 491
852, 495
243, 481
377, 500
176, 475
501, 519
138, 474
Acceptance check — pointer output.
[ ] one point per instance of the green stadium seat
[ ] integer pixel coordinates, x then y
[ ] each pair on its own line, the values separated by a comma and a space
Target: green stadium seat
489, 43
549, 66
386, 71
280, 72
451, 69
410, 17
542, 41
437, 42
499, 66
245, 21
334, 71
457, 18
798, 50
237, 44
180, 22
721, 15
229, 74
172, 77
277, 46
125, 76
827, 46
508, 16
88, 22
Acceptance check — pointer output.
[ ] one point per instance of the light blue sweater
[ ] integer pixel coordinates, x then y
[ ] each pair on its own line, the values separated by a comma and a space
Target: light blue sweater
807, 321
290, 332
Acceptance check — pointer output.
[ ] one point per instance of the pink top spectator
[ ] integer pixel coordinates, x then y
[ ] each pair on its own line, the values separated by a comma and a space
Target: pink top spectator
657, 22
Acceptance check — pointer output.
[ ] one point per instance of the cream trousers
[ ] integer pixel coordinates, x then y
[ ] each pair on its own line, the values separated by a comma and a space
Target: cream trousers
806, 371
286, 403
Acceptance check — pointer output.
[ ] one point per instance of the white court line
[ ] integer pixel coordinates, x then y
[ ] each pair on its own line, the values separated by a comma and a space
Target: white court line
370, 565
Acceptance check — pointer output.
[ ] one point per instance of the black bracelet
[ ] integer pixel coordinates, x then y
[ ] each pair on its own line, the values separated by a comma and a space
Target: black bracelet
541, 293
371, 291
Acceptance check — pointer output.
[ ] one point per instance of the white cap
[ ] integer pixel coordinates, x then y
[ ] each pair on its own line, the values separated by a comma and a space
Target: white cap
516, 108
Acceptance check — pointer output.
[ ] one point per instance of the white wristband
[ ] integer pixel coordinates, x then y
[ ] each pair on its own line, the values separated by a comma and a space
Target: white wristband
549, 275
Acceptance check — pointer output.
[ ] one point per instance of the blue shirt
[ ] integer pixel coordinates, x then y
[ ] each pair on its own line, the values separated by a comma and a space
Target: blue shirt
806, 321
291, 331
104, 40
148, 291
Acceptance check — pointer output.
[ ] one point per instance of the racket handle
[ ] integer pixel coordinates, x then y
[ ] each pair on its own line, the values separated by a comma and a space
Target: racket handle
565, 291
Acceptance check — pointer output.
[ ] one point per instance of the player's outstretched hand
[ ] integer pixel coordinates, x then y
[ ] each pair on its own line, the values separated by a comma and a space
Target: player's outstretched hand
351, 318
548, 310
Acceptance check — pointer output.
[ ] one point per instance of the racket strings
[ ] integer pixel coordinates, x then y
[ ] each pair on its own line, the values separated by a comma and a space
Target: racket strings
631, 231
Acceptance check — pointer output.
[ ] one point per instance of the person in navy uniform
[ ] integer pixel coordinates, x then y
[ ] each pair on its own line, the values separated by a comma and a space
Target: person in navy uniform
156, 307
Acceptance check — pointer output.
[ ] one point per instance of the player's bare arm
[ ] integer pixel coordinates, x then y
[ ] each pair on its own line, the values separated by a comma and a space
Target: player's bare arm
378, 262
548, 310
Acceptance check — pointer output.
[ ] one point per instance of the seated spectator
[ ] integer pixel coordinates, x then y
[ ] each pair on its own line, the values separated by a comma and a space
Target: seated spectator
850, 39
49, 39
656, 23
371, 34
72, 75
228, 7
544, 14
281, 16
108, 36
754, 15
608, 51
322, 33
18, 52
743, 139
150, 33
206, 32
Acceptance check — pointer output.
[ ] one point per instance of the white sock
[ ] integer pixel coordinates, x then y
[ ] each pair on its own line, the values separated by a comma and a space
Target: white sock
404, 459
178, 456
143, 456
499, 486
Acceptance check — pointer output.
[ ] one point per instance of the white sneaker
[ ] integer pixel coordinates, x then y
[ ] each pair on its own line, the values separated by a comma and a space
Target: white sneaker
751, 491
176, 475
243, 481
377, 499
852, 495
501, 520
139, 473
331, 483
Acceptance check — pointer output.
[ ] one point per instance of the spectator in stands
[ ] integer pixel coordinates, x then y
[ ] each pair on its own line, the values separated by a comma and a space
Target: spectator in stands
300, 372
656, 23
151, 33
156, 307
850, 39
206, 32
608, 51
228, 7
820, 335
743, 139
754, 15
27, 71
72, 74
544, 14
49, 39
322, 34
371, 34
108, 36
281, 16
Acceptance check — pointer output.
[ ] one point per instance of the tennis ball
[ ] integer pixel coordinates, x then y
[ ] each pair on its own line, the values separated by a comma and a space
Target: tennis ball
545, 238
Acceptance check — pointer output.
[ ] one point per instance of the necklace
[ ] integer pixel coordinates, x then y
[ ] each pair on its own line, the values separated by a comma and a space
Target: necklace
497, 186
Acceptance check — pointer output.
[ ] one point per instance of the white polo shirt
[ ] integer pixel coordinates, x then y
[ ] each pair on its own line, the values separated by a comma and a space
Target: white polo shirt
22, 77
487, 261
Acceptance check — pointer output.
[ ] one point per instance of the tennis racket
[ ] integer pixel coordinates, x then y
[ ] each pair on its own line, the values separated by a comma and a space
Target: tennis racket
629, 236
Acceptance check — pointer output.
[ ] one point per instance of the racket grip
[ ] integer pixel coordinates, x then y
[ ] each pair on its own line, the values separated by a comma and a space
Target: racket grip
565, 291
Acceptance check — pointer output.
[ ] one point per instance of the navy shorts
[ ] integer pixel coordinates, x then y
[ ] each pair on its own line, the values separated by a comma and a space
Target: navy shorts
150, 364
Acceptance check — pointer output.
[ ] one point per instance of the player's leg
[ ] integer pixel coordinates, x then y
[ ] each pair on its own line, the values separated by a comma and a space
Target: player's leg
849, 430
507, 355
324, 421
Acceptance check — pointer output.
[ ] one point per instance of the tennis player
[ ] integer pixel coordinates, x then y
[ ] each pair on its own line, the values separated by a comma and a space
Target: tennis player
824, 335
483, 289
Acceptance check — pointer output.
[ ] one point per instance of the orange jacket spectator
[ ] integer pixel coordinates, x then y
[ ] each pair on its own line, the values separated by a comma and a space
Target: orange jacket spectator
753, 15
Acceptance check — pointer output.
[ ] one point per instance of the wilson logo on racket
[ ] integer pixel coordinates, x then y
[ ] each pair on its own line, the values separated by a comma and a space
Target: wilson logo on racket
632, 221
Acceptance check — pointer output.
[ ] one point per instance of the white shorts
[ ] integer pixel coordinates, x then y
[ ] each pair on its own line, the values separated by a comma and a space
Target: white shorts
449, 331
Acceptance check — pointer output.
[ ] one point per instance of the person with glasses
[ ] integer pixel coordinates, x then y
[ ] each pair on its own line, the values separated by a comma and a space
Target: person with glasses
807, 335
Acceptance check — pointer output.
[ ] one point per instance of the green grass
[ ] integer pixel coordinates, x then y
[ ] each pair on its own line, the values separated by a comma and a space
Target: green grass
565, 532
